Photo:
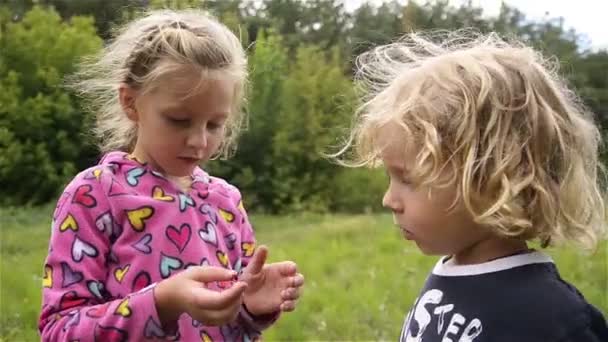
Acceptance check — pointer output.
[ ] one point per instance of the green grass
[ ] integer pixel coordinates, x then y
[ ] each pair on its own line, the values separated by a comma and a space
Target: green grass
361, 277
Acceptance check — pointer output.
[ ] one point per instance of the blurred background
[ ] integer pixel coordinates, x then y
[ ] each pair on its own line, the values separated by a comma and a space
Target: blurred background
362, 278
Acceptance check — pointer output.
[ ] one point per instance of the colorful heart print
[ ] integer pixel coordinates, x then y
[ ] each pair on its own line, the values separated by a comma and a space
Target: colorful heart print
208, 234
142, 280
119, 273
68, 223
98, 311
228, 216
97, 289
70, 277
179, 238
185, 201
123, 308
83, 196
209, 211
248, 248
70, 300
81, 248
168, 264
222, 258
143, 245
153, 329
110, 334
116, 189
159, 194
134, 175
138, 217
230, 240
47, 280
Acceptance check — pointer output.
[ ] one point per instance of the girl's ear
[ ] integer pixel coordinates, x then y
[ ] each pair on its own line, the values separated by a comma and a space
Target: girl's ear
127, 97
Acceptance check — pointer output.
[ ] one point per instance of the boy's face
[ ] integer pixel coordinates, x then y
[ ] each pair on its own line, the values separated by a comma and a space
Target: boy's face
176, 133
422, 218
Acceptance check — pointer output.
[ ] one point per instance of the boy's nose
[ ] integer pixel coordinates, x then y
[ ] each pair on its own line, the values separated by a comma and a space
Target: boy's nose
388, 201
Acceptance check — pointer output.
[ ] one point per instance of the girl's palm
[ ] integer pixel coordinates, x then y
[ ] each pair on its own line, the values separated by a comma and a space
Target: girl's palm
272, 287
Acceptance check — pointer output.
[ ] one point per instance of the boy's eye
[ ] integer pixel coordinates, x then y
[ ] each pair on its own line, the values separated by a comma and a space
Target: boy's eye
404, 180
399, 177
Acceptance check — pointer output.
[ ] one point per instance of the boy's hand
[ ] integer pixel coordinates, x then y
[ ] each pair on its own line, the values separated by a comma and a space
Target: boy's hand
270, 288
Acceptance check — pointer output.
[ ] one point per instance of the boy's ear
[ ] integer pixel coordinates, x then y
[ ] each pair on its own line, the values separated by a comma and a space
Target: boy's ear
127, 96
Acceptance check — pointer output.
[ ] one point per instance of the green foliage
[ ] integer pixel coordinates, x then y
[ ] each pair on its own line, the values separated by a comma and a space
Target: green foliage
358, 190
295, 112
252, 168
317, 99
300, 95
375, 25
40, 140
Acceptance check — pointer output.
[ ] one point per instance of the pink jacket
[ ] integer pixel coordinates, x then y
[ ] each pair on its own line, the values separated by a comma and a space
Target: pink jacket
119, 228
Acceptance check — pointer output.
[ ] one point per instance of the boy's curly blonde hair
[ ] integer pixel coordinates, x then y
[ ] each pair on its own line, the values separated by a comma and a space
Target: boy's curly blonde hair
145, 53
520, 148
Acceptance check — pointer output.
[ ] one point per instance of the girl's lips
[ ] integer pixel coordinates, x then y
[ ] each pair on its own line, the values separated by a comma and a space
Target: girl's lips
190, 160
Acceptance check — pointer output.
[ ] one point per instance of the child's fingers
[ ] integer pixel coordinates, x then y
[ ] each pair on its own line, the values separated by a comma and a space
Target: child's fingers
290, 293
207, 274
211, 300
288, 306
286, 268
296, 281
257, 260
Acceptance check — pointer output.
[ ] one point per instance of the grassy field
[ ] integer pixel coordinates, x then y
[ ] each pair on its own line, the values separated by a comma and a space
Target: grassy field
361, 277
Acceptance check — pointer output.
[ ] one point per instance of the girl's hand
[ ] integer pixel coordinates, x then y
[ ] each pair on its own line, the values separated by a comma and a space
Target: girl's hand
187, 292
271, 287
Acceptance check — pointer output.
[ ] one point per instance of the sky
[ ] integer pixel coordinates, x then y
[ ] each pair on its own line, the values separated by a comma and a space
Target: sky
587, 17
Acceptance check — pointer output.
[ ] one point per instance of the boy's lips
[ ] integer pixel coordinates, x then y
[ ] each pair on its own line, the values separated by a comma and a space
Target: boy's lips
407, 234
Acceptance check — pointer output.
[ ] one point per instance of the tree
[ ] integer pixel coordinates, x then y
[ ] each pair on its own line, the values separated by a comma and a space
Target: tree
41, 142
253, 166
317, 102
373, 26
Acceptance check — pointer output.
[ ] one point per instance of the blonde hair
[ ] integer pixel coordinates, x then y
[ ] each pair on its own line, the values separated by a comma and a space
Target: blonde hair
518, 145
146, 50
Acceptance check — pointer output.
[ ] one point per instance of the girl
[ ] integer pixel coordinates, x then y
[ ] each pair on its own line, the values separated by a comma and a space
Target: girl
486, 149
146, 245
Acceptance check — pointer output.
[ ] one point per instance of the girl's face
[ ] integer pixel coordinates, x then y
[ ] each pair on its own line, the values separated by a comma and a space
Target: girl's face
427, 220
181, 123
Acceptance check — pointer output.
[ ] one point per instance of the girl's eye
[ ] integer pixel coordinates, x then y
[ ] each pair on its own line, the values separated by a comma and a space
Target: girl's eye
214, 126
178, 121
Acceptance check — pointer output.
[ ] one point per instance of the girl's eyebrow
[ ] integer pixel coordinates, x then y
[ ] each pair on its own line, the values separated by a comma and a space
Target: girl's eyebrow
173, 108
182, 109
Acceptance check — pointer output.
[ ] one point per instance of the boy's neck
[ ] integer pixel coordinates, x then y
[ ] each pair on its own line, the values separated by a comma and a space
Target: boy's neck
489, 249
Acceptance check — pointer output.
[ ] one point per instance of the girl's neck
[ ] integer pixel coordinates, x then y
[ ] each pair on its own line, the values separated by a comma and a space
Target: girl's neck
183, 183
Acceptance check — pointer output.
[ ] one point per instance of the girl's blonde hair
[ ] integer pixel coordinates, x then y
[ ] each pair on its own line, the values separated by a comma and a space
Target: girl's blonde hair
519, 147
144, 52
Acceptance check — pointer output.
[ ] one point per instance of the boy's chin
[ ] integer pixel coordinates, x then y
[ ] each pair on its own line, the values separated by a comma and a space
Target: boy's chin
428, 251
